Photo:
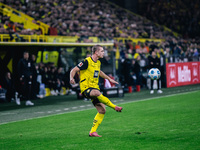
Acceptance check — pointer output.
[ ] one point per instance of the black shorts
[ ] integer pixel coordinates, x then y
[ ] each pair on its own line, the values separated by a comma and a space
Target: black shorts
94, 100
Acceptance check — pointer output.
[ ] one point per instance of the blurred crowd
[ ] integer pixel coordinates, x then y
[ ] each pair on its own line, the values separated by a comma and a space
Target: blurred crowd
135, 58
94, 18
181, 16
33, 80
177, 48
14, 28
134, 62
88, 18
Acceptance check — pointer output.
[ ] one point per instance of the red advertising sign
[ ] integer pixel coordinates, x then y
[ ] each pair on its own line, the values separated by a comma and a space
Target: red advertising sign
179, 74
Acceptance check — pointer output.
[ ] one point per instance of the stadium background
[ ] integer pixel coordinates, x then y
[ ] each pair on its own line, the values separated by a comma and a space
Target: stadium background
57, 30
128, 27
121, 23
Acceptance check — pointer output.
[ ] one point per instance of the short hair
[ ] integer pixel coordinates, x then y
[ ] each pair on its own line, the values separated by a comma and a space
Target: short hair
95, 48
25, 52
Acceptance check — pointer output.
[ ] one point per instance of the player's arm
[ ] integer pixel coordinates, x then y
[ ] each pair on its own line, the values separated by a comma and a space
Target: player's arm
103, 75
72, 74
81, 66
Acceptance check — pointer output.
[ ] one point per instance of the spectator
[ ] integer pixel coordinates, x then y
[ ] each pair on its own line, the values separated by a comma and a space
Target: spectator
154, 62
137, 70
180, 16
12, 30
25, 77
77, 54
45, 77
60, 80
67, 81
64, 60
89, 19
53, 80
167, 53
177, 51
40, 86
126, 70
11, 93
2, 94
34, 88
196, 53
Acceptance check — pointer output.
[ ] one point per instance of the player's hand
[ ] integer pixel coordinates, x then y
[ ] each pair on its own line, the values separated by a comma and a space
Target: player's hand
113, 81
72, 81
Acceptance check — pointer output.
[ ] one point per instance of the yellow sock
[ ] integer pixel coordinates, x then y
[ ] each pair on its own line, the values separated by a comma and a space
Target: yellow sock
97, 121
106, 101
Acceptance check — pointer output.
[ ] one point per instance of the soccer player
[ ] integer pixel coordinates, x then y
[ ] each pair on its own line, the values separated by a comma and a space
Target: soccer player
89, 77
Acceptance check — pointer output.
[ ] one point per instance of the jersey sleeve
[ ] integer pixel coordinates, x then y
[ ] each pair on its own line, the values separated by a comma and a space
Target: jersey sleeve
83, 65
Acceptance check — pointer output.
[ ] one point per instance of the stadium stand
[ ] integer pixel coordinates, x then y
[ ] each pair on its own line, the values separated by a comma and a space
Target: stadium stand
181, 16
88, 19
95, 21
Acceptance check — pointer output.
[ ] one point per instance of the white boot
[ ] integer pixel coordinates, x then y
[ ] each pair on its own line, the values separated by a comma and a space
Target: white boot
29, 103
17, 100
152, 91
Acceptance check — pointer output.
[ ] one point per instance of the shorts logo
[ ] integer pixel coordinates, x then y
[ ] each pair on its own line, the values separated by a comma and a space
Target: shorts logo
80, 64
88, 90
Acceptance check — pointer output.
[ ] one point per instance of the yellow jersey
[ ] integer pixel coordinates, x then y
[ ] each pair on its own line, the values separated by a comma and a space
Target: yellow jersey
89, 75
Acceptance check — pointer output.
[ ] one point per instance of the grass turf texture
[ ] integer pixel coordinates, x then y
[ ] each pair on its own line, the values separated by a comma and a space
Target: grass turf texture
164, 123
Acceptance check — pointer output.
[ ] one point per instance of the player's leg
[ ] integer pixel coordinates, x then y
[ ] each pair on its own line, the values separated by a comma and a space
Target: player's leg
26, 88
152, 91
28, 92
29, 84
96, 93
98, 119
158, 85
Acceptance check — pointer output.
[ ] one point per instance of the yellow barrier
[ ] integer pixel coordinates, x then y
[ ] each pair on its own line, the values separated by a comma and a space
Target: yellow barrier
94, 39
19, 17
27, 38
64, 39
62, 92
48, 92
73, 45
138, 40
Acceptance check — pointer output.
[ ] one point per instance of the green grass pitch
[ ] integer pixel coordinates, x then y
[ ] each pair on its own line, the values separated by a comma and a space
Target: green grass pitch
168, 123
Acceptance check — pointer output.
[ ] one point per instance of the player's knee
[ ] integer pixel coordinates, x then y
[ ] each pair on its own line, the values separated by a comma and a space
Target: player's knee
96, 93
102, 111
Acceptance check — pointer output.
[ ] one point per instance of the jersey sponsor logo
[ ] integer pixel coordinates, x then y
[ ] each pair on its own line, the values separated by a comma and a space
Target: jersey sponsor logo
96, 73
80, 64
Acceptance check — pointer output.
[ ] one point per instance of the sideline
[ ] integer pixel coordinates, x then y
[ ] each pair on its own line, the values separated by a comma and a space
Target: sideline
147, 99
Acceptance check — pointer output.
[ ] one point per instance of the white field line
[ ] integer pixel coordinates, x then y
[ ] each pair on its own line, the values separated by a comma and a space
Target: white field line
49, 111
40, 112
58, 110
94, 108
3, 114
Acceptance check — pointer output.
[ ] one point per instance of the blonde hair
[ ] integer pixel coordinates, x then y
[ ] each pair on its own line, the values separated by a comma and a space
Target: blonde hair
95, 48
